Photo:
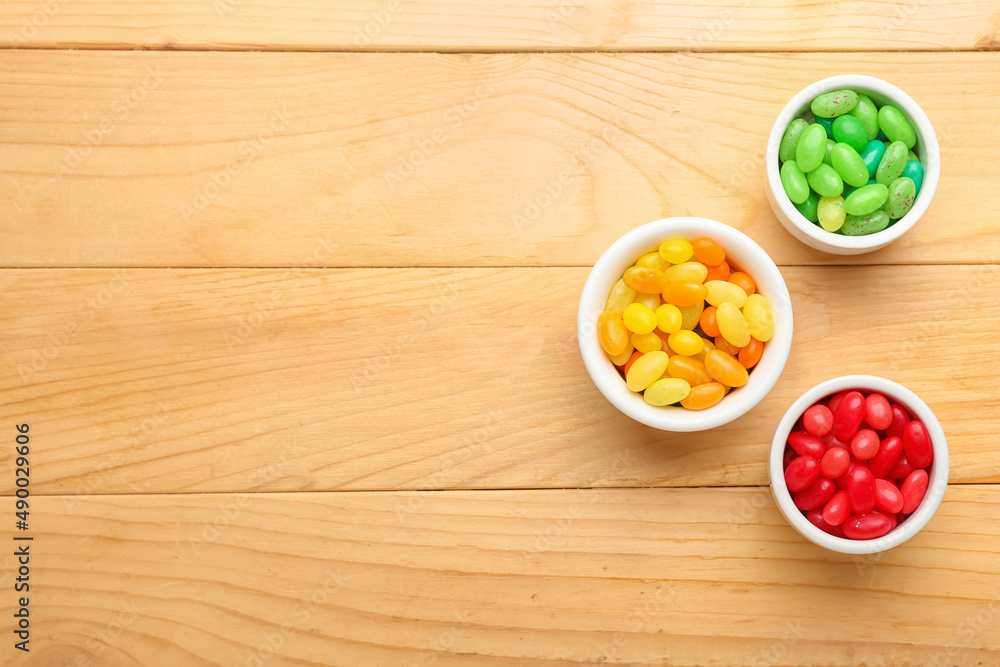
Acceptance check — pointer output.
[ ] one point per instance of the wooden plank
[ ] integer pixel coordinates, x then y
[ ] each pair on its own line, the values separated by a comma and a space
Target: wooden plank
639, 577
516, 25
272, 159
261, 380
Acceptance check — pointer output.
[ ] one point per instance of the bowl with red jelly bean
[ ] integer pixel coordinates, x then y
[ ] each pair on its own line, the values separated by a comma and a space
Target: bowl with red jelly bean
684, 324
859, 464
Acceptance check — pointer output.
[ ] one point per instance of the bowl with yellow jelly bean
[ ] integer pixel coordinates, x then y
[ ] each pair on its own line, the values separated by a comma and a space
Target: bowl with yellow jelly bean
852, 164
684, 324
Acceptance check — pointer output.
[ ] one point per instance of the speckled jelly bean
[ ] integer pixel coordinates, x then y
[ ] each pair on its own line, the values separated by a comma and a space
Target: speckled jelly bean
646, 370
722, 291
872, 155
835, 103
892, 164
915, 172
732, 325
825, 180
902, 192
848, 130
759, 318
862, 225
848, 164
896, 126
831, 213
867, 113
811, 148
666, 391
786, 149
866, 199
794, 181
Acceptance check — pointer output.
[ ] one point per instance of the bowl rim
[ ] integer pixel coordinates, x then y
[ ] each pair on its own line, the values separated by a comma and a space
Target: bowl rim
620, 255
927, 140
938, 477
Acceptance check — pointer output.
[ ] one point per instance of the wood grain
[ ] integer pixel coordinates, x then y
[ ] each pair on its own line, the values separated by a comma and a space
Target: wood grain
520, 25
639, 577
260, 380
274, 159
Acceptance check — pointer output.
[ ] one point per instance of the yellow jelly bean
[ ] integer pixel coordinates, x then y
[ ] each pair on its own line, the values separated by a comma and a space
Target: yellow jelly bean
759, 317
676, 251
732, 325
646, 370
666, 391
685, 342
690, 369
708, 345
612, 333
651, 301
691, 315
621, 296
669, 318
704, 396
622, 359
649, 342
653, 261
687, 272
725, 369
639, 318
721, 291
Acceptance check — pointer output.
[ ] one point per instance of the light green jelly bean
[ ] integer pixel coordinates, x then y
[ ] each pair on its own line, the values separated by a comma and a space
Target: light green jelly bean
786, 150
794, 181
808, 207
867, 113
862, 225
831, 213
849, 130
902, 192
893, 122
910, 155
811, 148
892, 164
825, 181
828, 158
849, 164
866, 200
835, 103
915, 172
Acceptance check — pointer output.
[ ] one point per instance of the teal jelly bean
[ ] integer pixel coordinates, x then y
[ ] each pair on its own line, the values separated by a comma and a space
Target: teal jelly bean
808, 207
892, 163
894, 123
825, 180
866, 200
827, 124
872, 155
915, 172
848, 164
794, 181
901, 195
811, 147
831, 213
828, 158
872, 182
835, 103
849, 130
861, 225
881, 136
867, 113
786, 150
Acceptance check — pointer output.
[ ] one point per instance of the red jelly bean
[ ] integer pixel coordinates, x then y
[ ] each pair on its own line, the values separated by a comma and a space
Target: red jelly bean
842, 480
903, 467
806, 444
849, 414
888, 497
837, 509
816, 518
913, 489
790, 455
867, 526
878, 412
861, 489
800, 473
818, 420
885, 459
834, 463
900, 418
917, 444
835, 401
831, 441
817, 495
893, 519
864, 444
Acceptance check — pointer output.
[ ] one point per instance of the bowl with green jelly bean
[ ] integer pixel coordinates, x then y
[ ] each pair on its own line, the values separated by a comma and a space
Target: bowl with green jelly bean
852, 164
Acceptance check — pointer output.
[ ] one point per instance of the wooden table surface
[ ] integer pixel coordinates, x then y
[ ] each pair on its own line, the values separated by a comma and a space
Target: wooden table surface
288, 302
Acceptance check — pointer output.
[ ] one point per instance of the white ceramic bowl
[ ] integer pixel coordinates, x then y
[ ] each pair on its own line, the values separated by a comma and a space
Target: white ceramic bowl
927, 149
938, 477
744, 253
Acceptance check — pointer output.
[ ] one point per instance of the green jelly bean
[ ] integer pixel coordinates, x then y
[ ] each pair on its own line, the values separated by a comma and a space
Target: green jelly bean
866, 200
915, 172
808, 207
872, 155
831, 213
811, 147
828, 158
849, 164
893, 122
867, 113
786, 150
825, 180
910, 155
835, 103
794, 181
861, 225
849, 130
901, 195
827, 124
892, 163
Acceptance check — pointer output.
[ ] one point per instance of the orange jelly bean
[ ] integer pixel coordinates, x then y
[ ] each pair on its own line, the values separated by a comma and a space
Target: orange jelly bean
744, 281
709, 324
708, 251
612, 333
719, 272
645, 280
725, 369
631, 360
690, 369
684, 294
724, 345
751, 353
704, 396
